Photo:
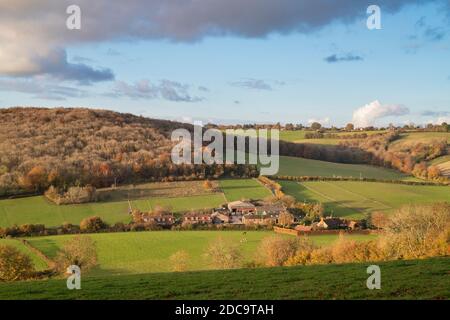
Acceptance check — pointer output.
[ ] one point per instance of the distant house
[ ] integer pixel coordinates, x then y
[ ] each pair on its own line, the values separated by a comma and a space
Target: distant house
161, 220
331, 223
352, 225
197, 218
267, 219
264, 208
220, 218
241, 207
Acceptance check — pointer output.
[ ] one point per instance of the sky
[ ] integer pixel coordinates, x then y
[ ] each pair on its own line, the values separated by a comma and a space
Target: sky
233, 61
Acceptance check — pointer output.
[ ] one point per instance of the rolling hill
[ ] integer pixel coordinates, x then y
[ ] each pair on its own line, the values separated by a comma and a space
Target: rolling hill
400, 280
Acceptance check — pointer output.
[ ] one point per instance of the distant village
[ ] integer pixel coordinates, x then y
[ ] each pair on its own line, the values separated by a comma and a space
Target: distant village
245, 213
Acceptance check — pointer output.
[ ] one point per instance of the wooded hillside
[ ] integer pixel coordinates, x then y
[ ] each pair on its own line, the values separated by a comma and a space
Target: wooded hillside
62, 147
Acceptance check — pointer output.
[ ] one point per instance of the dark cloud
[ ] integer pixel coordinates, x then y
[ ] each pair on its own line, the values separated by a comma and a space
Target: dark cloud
58, 67
334, 58
41, 89
165, 89
32, 32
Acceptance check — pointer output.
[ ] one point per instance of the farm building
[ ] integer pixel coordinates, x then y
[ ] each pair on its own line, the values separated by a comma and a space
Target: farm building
197, 218
160, 220
264, 208
335, 223
252, 219
241, 207
220, 218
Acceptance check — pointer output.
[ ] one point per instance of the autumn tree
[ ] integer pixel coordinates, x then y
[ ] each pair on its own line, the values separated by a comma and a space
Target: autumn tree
224, 254
79, 251
179, 261
14, 265
92, 224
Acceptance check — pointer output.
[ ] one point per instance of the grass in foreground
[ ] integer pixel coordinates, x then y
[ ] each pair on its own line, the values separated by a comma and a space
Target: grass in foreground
353, 199
145, 252
418, 279
291, 166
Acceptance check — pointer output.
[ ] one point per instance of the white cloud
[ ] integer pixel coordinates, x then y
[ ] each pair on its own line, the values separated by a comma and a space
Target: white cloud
368, 115
442, 119
325, 121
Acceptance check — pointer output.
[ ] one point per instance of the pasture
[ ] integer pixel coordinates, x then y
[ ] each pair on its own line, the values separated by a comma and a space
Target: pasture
238, 189
414, 279
145, 252
179, 196
298, 136
291, 166
351, 199
411, 138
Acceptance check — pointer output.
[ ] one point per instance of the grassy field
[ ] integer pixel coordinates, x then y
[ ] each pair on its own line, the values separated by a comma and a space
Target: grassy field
237, 189
298, 136
179, 196
356, 199
38, 210
291, 166
416, 279
145, 252
38, 262
411, 138
155, 190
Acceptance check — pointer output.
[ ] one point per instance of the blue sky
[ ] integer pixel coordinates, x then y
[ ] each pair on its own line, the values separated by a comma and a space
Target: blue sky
277, 76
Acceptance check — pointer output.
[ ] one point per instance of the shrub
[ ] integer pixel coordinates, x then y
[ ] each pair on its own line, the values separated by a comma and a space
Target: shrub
79, 251
417, 232
275, 250
14, 265
179, 261
224, 254
92, 224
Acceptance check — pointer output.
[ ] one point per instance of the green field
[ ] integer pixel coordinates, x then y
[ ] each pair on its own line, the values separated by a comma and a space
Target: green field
352, 199
291, 166
416, 279
238, 189
145, 252
38, 210
298, 136
38, 262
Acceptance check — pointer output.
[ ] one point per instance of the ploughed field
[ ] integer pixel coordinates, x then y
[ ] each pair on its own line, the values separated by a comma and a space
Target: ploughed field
415, 279
354, 199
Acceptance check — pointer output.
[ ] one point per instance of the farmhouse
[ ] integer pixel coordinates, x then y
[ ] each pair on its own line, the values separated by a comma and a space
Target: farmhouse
334, 223
267, 219
264, 208
161, 220
220, 218
197, 218
241, 207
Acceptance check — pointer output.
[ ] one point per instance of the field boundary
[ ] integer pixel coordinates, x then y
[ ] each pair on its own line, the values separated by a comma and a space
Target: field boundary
318, 178
50, 263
